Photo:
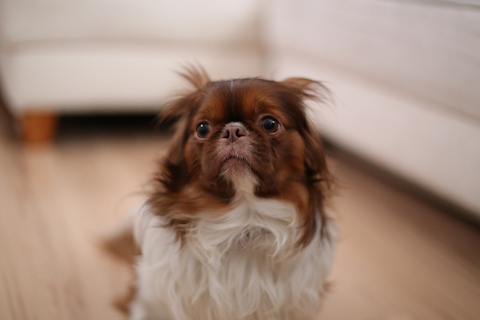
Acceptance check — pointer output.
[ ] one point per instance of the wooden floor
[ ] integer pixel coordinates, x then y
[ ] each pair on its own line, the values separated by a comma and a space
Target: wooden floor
398, 258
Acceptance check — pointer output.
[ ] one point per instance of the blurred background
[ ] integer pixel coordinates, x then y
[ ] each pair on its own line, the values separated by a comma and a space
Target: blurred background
81, 83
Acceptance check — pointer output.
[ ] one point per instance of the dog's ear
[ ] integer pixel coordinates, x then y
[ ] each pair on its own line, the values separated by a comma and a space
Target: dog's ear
179, 111
303, 89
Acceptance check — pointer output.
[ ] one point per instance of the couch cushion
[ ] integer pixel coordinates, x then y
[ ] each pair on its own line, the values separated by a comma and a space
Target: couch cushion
88, 77
206, 21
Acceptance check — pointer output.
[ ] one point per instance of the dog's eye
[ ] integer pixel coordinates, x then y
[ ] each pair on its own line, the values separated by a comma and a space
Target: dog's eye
203, 129
270, 125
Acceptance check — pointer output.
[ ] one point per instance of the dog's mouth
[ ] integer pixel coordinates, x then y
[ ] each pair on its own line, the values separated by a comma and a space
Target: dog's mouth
237, 158
235, 164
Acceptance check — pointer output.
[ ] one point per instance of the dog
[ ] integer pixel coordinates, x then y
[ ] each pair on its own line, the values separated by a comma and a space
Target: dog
236, 224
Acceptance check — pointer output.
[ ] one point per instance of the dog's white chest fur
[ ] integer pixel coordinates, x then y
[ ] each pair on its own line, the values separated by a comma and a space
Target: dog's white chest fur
242, 265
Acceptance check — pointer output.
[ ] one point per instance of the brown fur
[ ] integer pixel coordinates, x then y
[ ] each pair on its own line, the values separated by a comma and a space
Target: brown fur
289, 164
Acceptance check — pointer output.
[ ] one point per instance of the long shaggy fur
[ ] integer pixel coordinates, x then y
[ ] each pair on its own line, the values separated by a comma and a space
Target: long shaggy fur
239, 229
243, 265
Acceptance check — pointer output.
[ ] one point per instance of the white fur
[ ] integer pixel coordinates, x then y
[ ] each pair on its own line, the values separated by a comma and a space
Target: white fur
242, 264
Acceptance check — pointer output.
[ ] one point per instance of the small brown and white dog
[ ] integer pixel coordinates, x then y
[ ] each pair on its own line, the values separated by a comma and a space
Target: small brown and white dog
235, 225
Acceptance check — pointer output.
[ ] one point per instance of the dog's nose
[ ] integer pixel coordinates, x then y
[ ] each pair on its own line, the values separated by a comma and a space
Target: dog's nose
233, 132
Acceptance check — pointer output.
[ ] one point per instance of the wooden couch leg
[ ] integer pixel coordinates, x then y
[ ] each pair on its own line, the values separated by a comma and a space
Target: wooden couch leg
39, 127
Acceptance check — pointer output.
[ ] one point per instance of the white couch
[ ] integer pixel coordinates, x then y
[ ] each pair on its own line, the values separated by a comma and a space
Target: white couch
405, 76
60, 57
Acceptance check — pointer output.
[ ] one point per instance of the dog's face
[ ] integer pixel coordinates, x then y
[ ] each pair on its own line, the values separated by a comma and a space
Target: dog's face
244, 135
245, 130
